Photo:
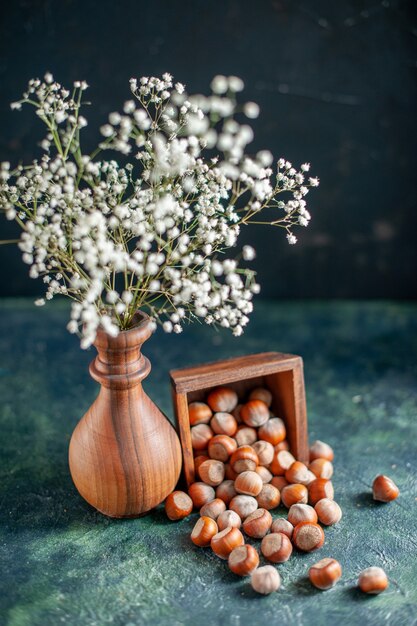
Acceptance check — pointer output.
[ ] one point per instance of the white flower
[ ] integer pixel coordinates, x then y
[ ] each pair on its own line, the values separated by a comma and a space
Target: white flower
16, 106
179, 87
291, 239
40, 302
248, 253
251, 110
235, 83
219, 84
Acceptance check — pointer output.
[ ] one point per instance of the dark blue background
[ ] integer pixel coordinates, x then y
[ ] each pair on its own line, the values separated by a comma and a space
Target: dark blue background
336, 82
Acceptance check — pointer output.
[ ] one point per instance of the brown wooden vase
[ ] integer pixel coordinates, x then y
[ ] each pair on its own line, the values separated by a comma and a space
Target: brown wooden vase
124, 455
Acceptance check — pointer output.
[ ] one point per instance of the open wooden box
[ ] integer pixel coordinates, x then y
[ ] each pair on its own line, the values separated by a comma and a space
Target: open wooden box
281, 373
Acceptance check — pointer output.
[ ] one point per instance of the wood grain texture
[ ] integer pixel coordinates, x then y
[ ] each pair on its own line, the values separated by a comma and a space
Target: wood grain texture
281, 373
124, 455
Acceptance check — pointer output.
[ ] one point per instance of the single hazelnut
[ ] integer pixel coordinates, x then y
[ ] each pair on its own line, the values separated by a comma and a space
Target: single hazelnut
200, 494
264, 473
228, 518
226, 491
299, 473
301, 513
258, 523
373, 580
178, 505
213, 509
244, 459
225, 541
199, 460
273, 431
236, 413
249, 483
223, 424
222, 399
265, 452
281, 525
276, 547
200, 436
204, 530
308, 536
282, 445
199, 413
245, 436
243, 560
281, 462
325, 573
328, 511
260, 393
243, 505
294, 494
212, 472
384, 489
321, 468
279, 482
221, 447
254, 413
265, 580
321, 450
229, 473
269, 497
319, 489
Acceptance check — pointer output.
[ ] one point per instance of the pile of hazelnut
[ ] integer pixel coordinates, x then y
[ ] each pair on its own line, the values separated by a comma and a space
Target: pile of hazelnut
245, 468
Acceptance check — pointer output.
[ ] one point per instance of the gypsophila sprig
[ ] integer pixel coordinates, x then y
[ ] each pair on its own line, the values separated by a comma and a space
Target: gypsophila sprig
153, 234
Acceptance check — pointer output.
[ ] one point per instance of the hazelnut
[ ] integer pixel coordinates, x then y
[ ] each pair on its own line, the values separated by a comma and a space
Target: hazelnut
228, 518
229, 473
260, 393
281, 525
265, 452
281, 462
265, 580
321, 450
200, 494
203, 532
299, 473
211, 472
373, 580
243, 560
249, 483
244, 459
198, 461
384, 489
301, 513
279, 482
223, 424
221, 447
319, 489
199, 413
328, 511
254, 413
308, 536
258, 523
213, 509
321, 468
236, 413
276, 547
178, 505
293, 494
226, 491
269, 497
225, 541
264, 473
282, 445
223, 399
325, 573
245, 436
273, 431
200, 436
243, 505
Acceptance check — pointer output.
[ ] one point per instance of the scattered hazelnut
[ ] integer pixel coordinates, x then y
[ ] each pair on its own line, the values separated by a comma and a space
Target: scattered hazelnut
199, 413
293, 494
213, 509
281, 525
223, 424
221, 447
244, 459
203, 532
299, 473
308, 536
228, 518
265, 580
384, 489
328, 511
321, 450
200, 436
276, 547
226, 491
245, 436
254, 413
319, 489
264, 473
211, 472
273, 431
265, 452
373, 580
260, 393
243, 560
301, 513
281, 462
269, 497
258, 523
225, 541
325, 573
178, 505
249, 483
200, 494
321, 468
243, 505
222, 399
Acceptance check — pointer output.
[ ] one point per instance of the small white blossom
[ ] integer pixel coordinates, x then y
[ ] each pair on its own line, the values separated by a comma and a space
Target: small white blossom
248, 253
251, 110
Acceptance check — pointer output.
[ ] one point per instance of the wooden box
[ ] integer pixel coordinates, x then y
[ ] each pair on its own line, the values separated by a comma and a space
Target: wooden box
282, 374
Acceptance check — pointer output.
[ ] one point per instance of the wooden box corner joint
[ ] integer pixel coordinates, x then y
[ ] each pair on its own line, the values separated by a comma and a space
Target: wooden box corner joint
281, 373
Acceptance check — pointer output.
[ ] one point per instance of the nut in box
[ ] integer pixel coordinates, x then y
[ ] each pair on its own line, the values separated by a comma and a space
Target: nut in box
280, 374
